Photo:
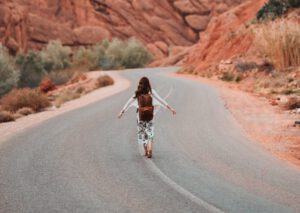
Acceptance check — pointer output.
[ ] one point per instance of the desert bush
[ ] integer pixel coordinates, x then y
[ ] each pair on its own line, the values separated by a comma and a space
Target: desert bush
80, 90
135, 54
238, 78
98, 55
6, 116
280, 42
293, 103
46, 85
294, 3
9, 75
272, 9
104, 81
25, 111
227, 76
66, 96
55, 56
77, 77
19, 98
31, 69
113, 55
62, 76
245, 66
83, 58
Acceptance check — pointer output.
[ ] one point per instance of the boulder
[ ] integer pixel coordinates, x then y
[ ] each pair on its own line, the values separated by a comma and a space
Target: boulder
86, 35
162, 46
197, 22
185, 6
43, 30
156, 52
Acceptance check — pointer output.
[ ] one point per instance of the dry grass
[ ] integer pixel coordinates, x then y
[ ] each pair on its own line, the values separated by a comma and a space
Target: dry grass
20, 98
104, 81
293, 103
65, 97
280, 42
25, 111
6, 116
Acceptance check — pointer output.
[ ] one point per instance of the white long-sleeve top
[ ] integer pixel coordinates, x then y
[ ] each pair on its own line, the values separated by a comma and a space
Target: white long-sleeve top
157, 101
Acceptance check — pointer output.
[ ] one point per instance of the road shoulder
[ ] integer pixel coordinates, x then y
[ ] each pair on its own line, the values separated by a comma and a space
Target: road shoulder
8, 130
268, 125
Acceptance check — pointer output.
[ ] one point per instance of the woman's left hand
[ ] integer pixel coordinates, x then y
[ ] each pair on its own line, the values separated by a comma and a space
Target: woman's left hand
173, 111
120, 114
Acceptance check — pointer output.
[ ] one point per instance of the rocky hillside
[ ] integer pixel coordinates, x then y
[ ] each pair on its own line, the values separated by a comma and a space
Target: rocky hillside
227, 36
26, 24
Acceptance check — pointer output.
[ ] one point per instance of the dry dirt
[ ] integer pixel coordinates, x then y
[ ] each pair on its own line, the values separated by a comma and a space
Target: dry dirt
270, 126
9, 129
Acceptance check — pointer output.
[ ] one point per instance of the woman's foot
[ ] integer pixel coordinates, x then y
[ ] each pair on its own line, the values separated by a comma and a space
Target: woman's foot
150, 154
145, 150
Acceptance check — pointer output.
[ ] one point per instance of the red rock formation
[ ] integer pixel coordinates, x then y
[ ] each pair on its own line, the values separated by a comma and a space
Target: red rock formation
226, 37
162, 23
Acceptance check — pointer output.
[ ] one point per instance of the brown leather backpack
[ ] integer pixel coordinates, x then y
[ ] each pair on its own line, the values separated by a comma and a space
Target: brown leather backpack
145, 107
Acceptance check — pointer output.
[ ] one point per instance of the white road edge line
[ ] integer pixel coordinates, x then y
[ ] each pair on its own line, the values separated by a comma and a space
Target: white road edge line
173, 184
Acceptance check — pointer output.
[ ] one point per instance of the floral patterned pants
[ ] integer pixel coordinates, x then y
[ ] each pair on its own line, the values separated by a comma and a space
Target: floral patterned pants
145, 132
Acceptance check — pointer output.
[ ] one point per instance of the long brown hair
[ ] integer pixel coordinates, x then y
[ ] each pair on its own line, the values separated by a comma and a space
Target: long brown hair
143, 88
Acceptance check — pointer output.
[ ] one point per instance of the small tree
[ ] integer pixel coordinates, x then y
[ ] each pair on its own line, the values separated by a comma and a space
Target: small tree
135, 54
31, 69
272, 9
55, 56
114, 54
9, 75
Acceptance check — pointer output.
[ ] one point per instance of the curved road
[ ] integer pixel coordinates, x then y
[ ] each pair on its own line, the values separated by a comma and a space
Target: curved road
88, 161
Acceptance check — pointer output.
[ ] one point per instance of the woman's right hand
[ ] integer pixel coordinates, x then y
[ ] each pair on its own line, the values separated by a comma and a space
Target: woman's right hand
120, 114
172, 110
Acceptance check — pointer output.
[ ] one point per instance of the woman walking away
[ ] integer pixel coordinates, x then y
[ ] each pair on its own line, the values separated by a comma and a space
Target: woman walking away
144, 100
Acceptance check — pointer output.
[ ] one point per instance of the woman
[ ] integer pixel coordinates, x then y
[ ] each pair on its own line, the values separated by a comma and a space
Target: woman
142, 100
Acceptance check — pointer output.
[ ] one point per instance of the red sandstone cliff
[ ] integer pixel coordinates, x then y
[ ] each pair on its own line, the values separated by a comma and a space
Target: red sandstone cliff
227, 36
158, 23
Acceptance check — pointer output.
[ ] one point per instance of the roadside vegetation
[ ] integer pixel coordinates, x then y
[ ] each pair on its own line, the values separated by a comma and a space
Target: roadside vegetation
27, 80
271, 67
279, 41
276, 8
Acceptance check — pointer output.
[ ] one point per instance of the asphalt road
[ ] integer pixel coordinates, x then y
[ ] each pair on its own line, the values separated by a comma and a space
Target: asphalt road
89, 161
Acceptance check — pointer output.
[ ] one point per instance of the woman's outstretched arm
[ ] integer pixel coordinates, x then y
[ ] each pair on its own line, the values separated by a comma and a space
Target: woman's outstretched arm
162, 101
126, 106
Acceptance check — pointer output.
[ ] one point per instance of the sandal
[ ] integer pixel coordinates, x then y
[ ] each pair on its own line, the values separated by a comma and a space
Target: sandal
145, 150
150, 154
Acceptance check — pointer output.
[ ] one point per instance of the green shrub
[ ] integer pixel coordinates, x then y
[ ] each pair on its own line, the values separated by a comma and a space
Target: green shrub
20, 98
82, 58
31, 69
135, 54
272, 9
9, 75
294, 3
55, 56
113, 55
97, 55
